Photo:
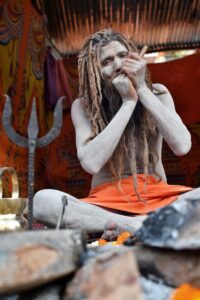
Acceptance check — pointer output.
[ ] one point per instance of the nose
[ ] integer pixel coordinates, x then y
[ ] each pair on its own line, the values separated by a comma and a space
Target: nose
118, 64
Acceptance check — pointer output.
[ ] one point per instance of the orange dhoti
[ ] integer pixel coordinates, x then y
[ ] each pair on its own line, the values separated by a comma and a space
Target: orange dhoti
156, 195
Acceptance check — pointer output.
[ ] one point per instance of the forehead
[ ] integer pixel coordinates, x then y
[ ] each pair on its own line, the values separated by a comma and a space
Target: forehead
111, 49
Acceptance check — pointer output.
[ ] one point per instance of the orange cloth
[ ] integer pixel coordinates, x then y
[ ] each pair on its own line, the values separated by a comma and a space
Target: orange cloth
158, 194
186, 292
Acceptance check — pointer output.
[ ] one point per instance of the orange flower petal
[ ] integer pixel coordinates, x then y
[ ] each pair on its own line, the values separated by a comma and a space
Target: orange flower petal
186, 292
102, 242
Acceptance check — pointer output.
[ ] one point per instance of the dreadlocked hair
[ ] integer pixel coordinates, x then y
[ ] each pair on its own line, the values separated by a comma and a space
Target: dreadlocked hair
100, 109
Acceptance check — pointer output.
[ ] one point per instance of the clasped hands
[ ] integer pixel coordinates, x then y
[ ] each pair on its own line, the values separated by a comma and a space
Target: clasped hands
131, 76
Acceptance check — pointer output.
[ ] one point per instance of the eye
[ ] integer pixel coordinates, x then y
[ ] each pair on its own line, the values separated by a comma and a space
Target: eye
106, 62
123, 54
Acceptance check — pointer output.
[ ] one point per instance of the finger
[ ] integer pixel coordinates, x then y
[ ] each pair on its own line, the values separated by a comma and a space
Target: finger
132, 64
120, 75
132, 67
130, 74
133, 55
131, 60
128, 70
143, 51
116, 74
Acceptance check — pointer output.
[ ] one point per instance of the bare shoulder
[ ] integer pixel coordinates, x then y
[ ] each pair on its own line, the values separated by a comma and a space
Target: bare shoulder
163, 95
76, 111
160, 87
78, 115
76, 105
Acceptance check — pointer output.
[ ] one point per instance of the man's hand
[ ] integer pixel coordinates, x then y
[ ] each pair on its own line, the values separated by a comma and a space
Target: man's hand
125, 88
134, 67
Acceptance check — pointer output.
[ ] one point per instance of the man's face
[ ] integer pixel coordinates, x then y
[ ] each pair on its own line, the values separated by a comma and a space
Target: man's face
111, 59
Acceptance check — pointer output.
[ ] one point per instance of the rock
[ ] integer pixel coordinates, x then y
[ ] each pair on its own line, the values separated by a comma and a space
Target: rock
49, 291
172, 267
32, 258
155, 290
110, 275
176, 226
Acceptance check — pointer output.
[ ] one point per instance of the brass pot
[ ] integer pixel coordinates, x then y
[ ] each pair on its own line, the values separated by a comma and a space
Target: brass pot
11, 209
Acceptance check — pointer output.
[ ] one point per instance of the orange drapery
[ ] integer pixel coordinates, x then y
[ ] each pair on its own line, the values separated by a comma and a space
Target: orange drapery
154, 195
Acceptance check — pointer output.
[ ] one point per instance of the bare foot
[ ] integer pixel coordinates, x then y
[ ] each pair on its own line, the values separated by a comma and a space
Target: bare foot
112, 230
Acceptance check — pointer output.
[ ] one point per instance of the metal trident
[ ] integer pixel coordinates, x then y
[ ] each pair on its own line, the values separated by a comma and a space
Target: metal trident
32, 142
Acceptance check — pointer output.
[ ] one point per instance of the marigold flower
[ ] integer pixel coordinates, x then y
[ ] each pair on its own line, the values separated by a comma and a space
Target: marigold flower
186, 292
102, 242
123, 237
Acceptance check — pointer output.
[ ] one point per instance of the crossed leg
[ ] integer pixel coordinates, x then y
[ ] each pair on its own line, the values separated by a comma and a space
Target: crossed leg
47, 205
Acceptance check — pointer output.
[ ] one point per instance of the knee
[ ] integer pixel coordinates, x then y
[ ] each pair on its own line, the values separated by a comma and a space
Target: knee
42, 194
49, 196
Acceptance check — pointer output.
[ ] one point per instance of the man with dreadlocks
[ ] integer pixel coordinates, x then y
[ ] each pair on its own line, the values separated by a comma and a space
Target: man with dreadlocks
120, 121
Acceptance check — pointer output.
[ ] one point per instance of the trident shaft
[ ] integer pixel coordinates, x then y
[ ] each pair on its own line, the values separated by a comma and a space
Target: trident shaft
32, 142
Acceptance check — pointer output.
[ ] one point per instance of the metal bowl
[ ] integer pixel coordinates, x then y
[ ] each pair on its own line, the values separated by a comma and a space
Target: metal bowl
11, 209
12, 205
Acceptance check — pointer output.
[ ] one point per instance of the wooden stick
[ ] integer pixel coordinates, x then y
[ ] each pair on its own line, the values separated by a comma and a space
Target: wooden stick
143, 51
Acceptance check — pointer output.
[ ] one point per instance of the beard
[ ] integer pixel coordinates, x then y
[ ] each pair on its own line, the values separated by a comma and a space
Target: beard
112, 101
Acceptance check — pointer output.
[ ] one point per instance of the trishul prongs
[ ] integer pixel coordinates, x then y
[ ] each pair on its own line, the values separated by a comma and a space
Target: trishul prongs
32, 141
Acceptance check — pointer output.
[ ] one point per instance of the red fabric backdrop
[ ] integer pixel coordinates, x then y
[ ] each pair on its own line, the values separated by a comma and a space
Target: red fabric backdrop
182, 77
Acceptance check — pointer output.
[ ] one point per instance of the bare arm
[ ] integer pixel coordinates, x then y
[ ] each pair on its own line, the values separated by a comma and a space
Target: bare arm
94, 154
161, 107
168, 121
